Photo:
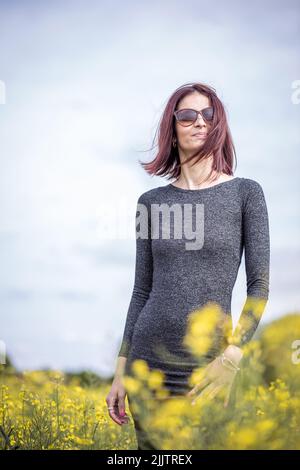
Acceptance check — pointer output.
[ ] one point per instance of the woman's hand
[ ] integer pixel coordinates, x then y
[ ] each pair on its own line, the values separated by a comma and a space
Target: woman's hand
218, 377
115, 401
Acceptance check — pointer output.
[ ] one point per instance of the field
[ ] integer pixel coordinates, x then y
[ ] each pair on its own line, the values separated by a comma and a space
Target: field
54, 410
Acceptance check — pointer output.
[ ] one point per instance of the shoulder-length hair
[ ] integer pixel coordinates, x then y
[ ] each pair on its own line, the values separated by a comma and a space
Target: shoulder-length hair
218, 144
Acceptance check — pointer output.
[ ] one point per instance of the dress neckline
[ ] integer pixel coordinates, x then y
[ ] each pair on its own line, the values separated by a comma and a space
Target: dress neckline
210, 188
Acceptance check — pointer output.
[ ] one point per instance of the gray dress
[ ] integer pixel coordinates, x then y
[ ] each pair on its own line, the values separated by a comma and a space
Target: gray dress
176, 275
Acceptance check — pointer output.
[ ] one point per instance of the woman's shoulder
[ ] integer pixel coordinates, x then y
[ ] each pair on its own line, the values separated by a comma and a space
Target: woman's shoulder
252, 193
250, 186
151, 195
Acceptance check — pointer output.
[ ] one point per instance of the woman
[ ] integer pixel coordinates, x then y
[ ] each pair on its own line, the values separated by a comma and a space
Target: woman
174, 276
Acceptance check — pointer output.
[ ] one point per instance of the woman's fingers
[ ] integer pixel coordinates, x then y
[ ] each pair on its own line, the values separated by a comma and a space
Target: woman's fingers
198, 386
215, 391
121, 404
210, 391
113, 410
204, 392
226, 401
121, 408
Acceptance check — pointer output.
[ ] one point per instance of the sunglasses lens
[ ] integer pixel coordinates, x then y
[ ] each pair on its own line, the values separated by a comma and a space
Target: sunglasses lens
186, 116
208, 113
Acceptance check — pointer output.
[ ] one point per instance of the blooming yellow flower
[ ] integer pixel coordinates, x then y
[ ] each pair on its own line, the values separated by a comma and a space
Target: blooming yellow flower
201, 329
155, 379
131, 384
140, 368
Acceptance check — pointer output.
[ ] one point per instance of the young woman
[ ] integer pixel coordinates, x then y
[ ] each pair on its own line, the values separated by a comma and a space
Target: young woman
173, 277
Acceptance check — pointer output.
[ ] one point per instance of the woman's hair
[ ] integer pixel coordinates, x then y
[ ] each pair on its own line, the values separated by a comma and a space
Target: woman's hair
218, 143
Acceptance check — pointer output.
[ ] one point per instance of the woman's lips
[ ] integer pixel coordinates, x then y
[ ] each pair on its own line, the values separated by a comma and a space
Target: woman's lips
201, 136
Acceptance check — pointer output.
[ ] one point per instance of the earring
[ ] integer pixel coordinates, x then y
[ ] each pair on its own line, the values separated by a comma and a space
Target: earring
174, 143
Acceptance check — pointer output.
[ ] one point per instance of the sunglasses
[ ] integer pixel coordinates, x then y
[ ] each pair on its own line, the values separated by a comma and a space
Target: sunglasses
186, 117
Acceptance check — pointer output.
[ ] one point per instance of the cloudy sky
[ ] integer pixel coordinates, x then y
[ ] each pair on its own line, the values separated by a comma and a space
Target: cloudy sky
83, 85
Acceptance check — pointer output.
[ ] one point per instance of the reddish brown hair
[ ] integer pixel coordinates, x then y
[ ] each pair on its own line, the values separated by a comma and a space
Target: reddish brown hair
218, 143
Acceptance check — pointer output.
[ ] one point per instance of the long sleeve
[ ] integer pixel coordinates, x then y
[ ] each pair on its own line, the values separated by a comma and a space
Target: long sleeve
143, 271
256, 241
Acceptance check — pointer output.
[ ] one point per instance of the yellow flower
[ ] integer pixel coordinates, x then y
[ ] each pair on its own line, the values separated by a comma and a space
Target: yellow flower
82, 441
131, 384
201, 330
162, 393
155, 379
245, 438
265, 426
196, 376
140, 368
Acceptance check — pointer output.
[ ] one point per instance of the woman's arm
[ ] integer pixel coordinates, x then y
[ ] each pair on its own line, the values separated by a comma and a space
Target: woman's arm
120, 367
143, 271
142, 286
256, 239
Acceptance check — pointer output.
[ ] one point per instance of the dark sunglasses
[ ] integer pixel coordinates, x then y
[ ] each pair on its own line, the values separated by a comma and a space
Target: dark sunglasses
186, 117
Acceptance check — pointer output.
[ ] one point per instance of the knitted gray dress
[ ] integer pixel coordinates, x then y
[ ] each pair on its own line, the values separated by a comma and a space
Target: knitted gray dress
176, 274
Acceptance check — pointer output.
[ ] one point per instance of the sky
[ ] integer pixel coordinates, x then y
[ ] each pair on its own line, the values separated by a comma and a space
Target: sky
83, 85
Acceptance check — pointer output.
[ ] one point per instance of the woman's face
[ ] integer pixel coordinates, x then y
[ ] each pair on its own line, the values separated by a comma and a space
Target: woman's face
187, 141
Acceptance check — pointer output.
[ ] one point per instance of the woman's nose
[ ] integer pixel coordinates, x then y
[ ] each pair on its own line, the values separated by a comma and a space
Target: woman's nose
200, 120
